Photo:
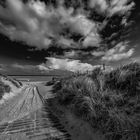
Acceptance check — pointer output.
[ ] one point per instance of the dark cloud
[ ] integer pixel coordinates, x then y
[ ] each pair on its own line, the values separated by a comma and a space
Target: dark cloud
38, 25
74, 29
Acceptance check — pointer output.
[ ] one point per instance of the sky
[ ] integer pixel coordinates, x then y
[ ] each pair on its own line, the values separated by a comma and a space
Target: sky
39, 36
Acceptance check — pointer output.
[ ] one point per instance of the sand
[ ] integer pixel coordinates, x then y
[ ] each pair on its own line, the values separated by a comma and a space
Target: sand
28, 116
36, 108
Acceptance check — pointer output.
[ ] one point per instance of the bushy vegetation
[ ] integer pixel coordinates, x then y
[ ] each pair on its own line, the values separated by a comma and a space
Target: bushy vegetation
109, 101
4, 89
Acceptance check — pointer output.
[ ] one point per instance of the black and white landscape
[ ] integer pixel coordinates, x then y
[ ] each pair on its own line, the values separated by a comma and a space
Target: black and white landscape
69, 70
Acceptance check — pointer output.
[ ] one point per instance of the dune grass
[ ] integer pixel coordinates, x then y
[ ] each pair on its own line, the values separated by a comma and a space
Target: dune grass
108, 101
14, 81
4, 89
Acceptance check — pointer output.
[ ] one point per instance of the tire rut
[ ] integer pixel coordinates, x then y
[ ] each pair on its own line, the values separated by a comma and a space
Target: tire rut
41, 124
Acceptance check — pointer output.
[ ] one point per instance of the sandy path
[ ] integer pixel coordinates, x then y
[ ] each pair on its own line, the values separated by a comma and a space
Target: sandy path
28, 116
35, 114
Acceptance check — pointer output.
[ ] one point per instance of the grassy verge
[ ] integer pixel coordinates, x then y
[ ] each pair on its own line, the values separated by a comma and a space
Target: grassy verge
109, 101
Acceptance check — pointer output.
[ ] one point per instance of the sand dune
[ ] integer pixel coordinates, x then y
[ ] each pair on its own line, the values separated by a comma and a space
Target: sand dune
34, 114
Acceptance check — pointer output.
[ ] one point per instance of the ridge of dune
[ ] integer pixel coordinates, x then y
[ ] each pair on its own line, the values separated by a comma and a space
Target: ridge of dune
9, 88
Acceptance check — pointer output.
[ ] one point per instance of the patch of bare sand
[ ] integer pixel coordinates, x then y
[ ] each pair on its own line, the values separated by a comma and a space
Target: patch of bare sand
14, 137
27, 101
79, 129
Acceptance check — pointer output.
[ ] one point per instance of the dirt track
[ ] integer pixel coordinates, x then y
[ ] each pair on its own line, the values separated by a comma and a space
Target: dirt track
28, 116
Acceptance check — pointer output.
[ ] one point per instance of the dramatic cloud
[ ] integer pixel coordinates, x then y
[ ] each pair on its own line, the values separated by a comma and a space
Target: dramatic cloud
38, 25
101, 4
51, 64
69, 31
120, 6
43, 67
69, 65
98, 54
112, 7
71, 54
119, 52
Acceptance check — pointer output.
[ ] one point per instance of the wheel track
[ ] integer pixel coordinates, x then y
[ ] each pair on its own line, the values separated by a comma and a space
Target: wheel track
38, 125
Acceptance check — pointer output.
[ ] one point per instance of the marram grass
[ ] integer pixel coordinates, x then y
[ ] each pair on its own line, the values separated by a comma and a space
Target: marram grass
108, 101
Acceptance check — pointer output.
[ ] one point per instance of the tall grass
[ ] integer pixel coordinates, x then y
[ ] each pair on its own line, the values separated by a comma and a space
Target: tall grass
4, 89
109, 101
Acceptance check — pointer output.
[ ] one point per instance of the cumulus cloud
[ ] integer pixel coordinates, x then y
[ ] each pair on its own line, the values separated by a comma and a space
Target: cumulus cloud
119, 52
42, 67
121, 6
112, 7
92, 39
52, 64
101, 4
97, 54
71, 54
68, 65
43, 26
39, 25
